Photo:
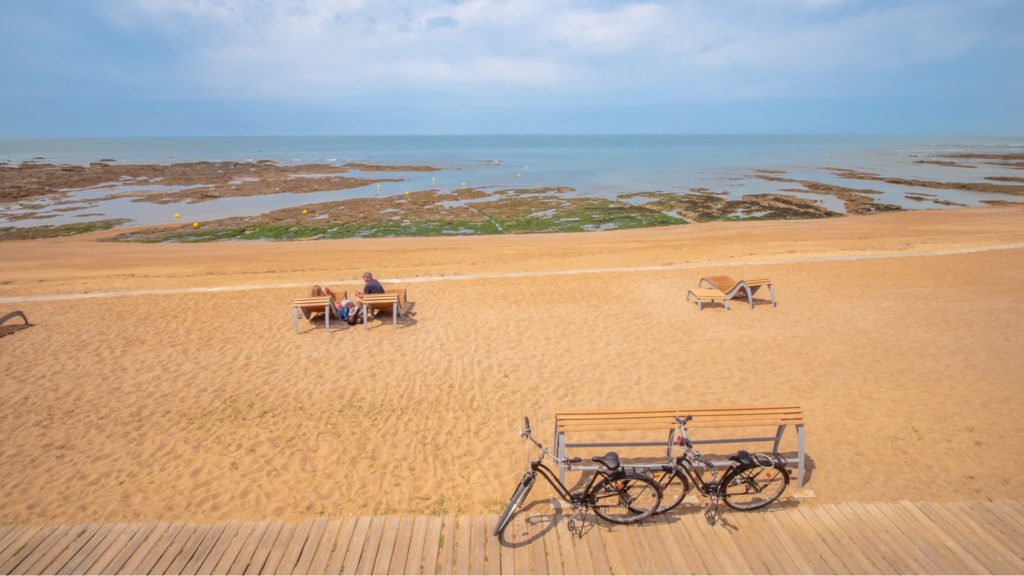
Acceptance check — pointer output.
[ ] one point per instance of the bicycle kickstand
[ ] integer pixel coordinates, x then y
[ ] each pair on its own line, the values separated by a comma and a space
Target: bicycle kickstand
574, 528
712, 512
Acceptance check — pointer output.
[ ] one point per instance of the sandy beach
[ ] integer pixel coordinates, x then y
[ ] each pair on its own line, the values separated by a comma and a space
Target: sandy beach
898, 333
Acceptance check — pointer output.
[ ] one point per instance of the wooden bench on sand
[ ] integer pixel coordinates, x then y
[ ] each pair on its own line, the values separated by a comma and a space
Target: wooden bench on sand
748, 418
705, 295
394, 298
310, 307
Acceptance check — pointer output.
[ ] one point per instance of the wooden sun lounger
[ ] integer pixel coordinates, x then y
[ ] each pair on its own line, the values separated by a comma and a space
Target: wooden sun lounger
12, 328
734, 288
311, 307
394, 298
703, 295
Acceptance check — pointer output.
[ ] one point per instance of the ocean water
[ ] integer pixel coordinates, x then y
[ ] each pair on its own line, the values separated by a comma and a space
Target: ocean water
595, 165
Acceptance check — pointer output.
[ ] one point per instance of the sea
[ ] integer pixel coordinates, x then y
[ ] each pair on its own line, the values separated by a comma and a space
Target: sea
594, 165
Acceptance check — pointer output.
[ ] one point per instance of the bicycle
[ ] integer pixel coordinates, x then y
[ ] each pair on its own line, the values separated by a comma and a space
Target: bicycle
612, 492
751, 482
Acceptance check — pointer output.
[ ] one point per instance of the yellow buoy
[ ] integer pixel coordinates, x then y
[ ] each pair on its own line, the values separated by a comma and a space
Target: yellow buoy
406, 192
176, 216
195, 224
433, 178
463, 184
526, 167
519, 175
378, 186
304, 211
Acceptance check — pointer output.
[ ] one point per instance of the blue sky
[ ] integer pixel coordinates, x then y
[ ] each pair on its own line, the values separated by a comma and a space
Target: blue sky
98, 68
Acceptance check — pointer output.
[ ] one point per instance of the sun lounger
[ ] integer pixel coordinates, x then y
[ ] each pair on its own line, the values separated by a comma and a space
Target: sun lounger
704, 295
737, 288
393, 299
12, 328
312, 307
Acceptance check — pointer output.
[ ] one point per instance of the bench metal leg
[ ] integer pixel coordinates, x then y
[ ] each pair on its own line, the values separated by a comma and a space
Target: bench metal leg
366, 320
295, 318
750, 297
800, 455
394, 314
327, 317
771, 289
560, 451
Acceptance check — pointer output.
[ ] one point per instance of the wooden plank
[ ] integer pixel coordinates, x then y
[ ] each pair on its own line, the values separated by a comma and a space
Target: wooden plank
144, 533
1002, 515
220, 559
463, 545
446, 550
550, 534
328, 540
654, 547
890, 552
309, 549
508, 560
48, 551
118, 547
610, 541
965, 557
189, 549
492, 546
535, 546
13, 534
984, 546
212, 550
259, 555
837, 539
83, 534
937, 554
20, 549
30, 557
851, 537
737, 543
144, 560
477, 559
828, 545
386, 549
167, 554
245, 552
414, 559
912, 549
290, 555
696, 548
346, 534
96, 545
369, 553
355, 546
277, 551
1000, 527
789, 557
566, 553
401, 548
202, 550
675, 547
597, 555
431, 545
634, 550
107, 550
804, 555
517, 533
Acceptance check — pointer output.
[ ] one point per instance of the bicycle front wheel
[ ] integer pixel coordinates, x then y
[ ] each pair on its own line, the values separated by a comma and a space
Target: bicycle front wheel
626, 498
753, 487
522, 490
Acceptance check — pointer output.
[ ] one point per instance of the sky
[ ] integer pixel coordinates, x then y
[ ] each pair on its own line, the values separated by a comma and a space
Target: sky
136, 68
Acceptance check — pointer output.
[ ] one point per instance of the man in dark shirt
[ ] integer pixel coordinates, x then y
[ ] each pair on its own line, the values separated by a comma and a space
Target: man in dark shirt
370, 286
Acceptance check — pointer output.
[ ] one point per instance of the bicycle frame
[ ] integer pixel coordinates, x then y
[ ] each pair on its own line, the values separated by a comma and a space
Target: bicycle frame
580, 498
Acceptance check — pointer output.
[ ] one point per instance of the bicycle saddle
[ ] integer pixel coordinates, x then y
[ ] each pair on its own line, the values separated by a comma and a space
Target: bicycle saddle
743, 457
609, 460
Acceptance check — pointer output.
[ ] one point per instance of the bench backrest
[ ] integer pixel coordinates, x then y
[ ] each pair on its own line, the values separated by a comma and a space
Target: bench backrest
624, 420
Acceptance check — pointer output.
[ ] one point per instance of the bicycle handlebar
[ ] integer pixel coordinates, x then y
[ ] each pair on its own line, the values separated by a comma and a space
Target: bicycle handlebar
527, 434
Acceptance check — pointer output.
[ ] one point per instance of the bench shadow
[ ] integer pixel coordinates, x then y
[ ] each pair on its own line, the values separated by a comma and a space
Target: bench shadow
11, 329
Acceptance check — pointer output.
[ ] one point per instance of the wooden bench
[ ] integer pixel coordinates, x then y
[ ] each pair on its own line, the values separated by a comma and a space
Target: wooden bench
394, 298
310, 306
12, 328
777, 418
744, 287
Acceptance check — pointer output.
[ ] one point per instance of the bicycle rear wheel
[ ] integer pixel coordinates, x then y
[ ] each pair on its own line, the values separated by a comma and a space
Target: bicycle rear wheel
522, 490
626, 498
753, 487
674, 486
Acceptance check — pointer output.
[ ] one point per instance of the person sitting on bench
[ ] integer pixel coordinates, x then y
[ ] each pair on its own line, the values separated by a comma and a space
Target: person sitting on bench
371, 286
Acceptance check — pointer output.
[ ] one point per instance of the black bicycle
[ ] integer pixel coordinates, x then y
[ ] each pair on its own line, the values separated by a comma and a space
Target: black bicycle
753, 480
612, 492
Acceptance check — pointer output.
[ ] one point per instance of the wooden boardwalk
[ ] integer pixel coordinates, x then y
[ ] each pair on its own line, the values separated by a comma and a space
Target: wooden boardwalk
903, 537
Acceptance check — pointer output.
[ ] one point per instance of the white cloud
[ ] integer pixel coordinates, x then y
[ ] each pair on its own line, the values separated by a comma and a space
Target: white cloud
326, 48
